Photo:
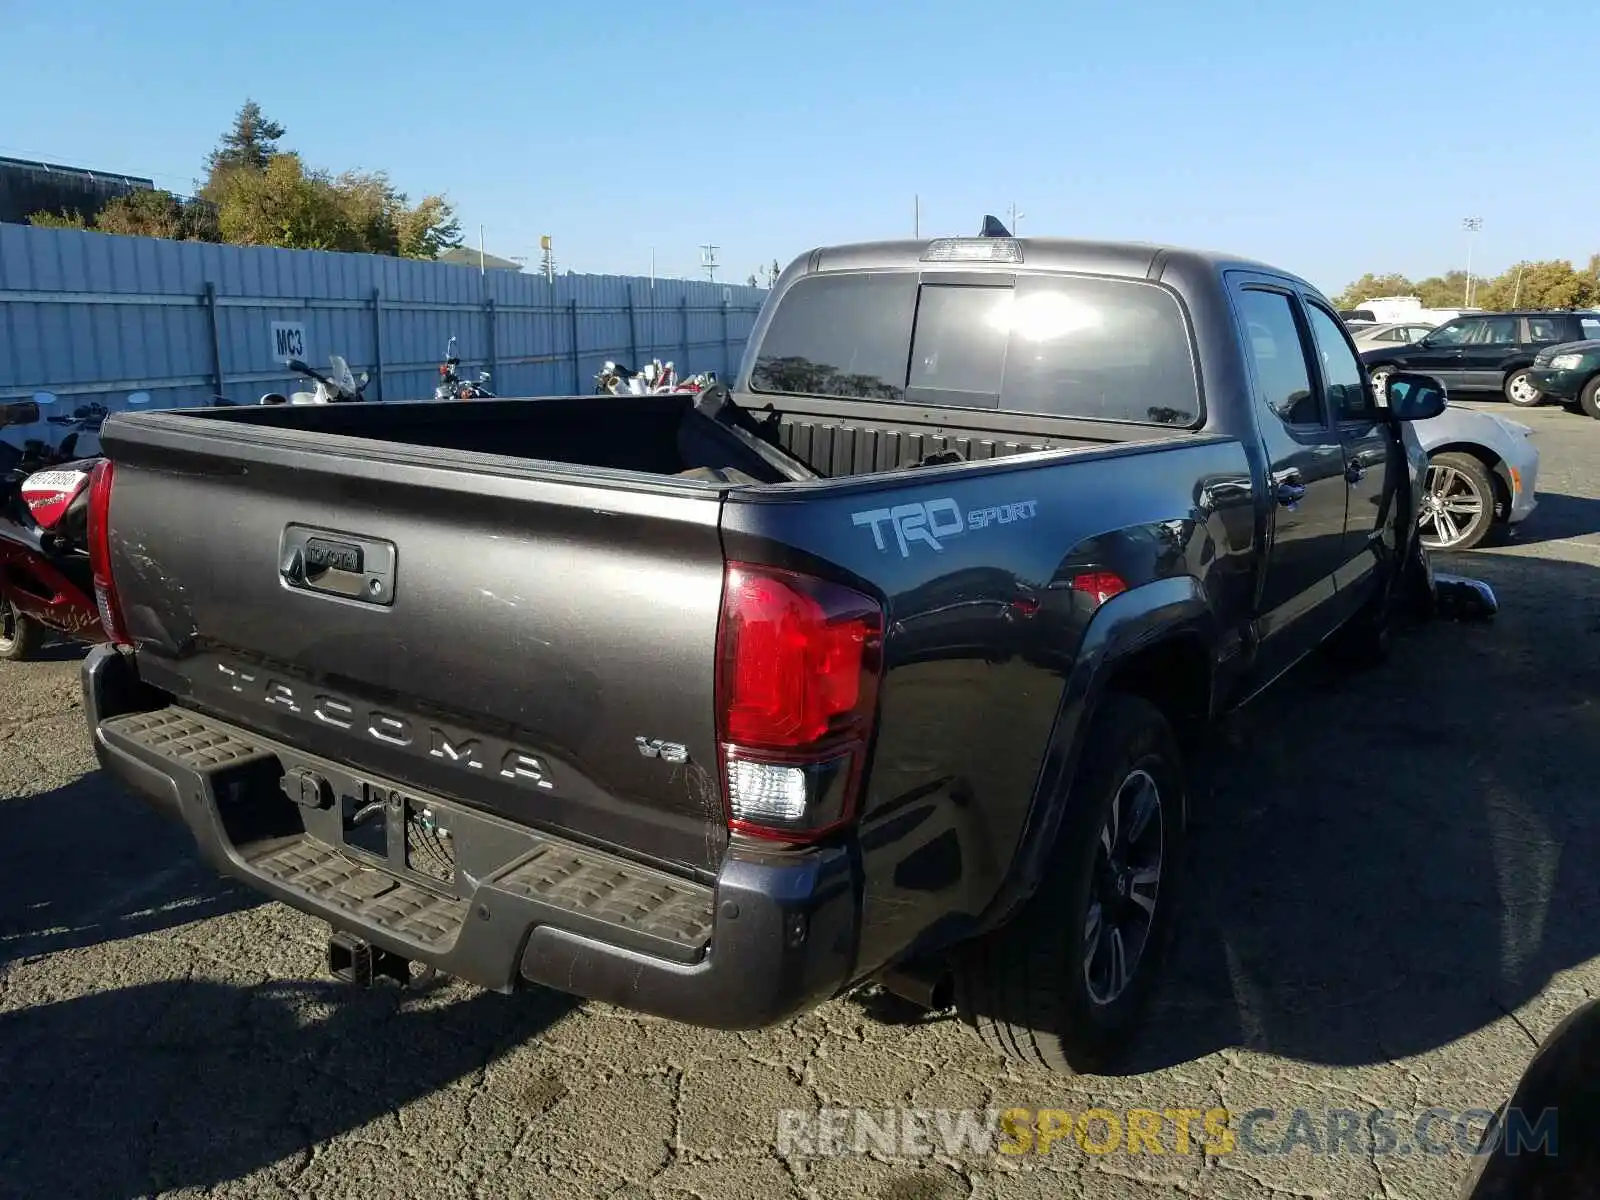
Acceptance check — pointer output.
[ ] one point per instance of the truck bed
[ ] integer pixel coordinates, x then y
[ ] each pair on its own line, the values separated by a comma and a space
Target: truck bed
653, 435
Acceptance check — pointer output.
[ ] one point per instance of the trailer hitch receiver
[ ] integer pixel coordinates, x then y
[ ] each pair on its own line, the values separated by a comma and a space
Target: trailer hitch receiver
352, 960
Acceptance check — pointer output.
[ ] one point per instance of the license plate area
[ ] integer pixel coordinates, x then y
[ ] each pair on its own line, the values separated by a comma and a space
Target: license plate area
407, 835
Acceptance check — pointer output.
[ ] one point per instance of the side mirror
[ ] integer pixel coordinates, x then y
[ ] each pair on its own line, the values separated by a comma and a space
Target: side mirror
137, 399
19, 412
1415, 397
294, 364
362, 379
274, 398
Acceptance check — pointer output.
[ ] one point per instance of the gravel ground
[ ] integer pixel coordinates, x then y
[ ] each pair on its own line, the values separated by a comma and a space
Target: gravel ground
1393, 899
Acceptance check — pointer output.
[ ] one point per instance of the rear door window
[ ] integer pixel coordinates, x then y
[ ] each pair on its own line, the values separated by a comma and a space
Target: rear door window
1107, 349
1544, 329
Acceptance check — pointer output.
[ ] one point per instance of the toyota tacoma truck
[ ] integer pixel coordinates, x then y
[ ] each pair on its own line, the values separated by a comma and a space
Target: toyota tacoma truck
890, 662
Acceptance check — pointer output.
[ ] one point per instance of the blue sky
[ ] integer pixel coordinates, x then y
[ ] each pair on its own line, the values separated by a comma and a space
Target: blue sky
1329, 138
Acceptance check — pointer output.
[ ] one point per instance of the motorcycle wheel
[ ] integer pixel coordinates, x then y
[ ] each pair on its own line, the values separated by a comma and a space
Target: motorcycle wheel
20, 636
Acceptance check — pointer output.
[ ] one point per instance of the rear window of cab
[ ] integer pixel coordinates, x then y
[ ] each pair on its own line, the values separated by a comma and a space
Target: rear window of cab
1076, 346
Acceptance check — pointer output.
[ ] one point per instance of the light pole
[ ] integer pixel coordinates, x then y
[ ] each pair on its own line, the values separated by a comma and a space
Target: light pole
1015, 217
1472, 225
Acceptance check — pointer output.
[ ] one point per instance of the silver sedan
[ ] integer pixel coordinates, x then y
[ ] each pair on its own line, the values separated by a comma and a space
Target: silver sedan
1386, 336
1483, 471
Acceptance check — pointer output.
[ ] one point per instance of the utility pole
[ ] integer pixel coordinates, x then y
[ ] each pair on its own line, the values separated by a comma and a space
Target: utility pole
1015, 217
708, 259
916, 216
480, 251
1472, 225
547, 258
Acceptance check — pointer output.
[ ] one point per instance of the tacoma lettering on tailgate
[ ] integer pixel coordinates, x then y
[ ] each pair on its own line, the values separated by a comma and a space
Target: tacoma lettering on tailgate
390, 729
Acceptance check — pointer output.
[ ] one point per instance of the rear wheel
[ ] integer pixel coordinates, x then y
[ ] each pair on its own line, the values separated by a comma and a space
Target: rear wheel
1063, 983
20, 636
1589, 398
1457, 503
1520, 391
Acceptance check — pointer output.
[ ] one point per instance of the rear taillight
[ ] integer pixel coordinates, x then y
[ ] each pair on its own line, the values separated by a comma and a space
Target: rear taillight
798, 663
105, 590
1100, 585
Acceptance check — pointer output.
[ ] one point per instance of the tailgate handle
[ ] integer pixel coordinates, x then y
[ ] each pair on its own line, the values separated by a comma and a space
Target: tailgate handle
338, 565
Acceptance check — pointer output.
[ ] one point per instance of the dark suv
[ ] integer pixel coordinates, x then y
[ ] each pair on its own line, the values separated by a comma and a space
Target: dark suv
1486, 352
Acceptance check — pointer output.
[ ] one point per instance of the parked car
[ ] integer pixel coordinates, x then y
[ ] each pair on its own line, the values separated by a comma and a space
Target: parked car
1569, 374
1483, 473
1378, 337
915, 702
1486, 352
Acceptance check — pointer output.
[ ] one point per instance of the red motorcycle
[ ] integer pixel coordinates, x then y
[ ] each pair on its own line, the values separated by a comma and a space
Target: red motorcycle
46, 582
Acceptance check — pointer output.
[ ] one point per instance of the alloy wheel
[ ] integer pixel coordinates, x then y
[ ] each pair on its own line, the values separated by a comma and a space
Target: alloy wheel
1125, 888
1451, 507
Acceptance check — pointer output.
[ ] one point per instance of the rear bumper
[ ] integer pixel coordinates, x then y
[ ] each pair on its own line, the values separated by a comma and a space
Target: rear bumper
772, 937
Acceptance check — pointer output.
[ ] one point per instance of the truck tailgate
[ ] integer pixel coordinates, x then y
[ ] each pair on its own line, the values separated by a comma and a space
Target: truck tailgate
470, 626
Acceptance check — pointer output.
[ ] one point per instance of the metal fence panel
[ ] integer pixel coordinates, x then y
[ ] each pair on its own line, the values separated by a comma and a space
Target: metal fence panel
97, 316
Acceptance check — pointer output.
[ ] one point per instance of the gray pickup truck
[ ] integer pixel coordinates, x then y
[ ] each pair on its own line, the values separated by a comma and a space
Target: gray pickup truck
888, 663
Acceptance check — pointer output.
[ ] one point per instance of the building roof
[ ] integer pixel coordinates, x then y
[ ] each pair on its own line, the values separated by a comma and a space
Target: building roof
465, 256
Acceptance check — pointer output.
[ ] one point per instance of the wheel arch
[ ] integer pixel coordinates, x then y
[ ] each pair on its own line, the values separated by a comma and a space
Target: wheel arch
1160, 641
1499, 473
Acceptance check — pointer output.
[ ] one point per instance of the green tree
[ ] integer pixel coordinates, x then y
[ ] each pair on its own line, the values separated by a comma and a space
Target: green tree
290, 205
284, 205
1550, 284
155, 213
58, 220
251, 143
1370, 285
428, 228
1443, 291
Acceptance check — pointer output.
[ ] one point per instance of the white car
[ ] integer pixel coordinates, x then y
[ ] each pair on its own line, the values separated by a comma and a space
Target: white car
1483, 472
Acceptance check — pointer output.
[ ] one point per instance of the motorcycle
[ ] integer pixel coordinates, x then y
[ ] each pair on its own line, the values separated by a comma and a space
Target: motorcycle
46, 582
452, 386
657, 378
337, 387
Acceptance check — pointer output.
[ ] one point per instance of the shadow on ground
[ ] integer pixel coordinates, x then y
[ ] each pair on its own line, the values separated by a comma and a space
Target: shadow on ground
1559, 516
189, 1084
87, 863
1390, 861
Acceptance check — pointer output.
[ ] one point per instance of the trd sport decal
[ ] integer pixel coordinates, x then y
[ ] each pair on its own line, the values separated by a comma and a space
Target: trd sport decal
930, 522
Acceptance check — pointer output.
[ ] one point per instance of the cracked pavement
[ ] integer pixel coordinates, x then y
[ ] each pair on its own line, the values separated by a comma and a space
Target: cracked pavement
1391, 899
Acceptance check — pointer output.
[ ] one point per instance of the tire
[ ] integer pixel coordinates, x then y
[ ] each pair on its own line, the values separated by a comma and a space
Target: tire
1034, 990
1589, 399
1519, 389
1458, 503
20, 636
